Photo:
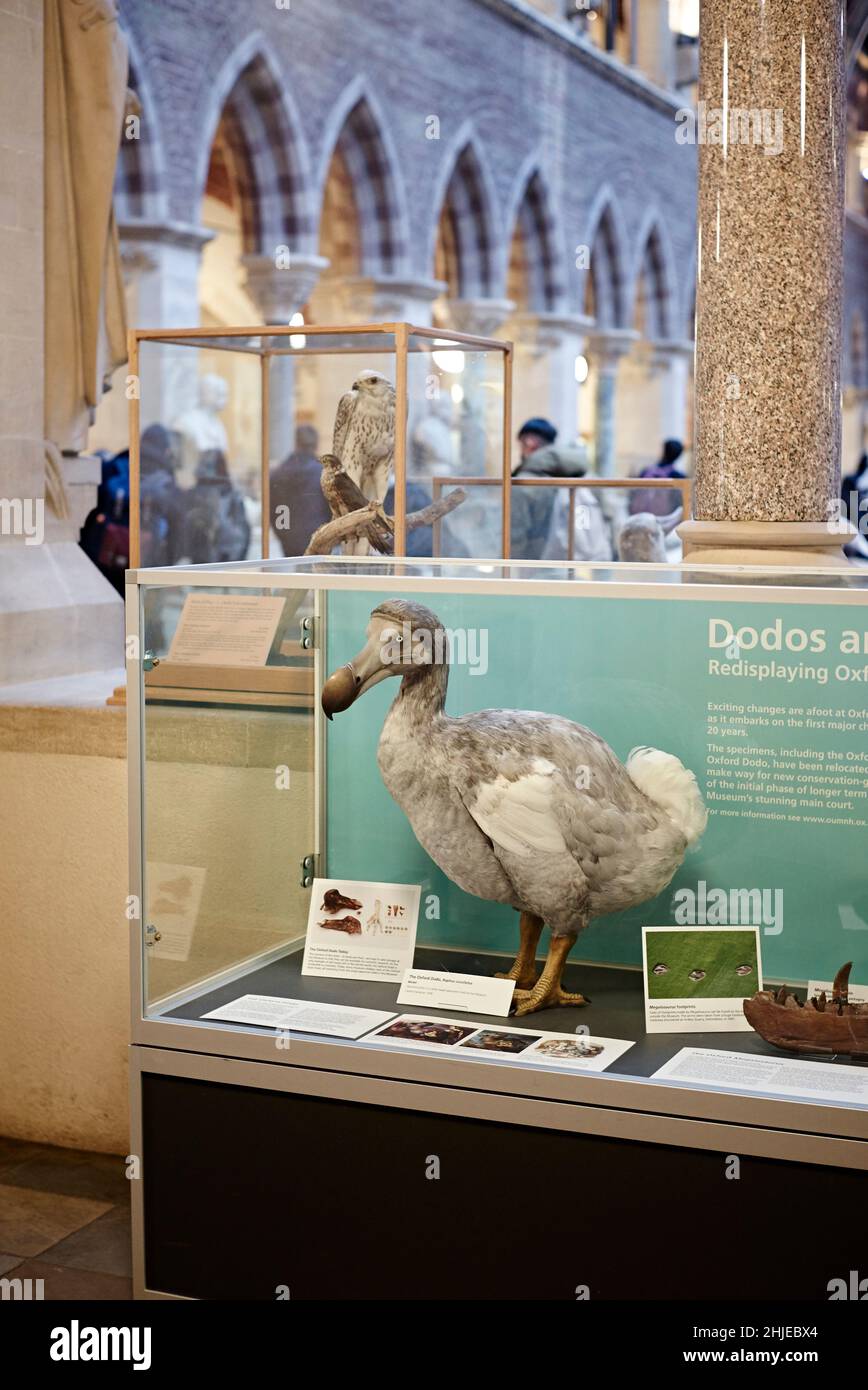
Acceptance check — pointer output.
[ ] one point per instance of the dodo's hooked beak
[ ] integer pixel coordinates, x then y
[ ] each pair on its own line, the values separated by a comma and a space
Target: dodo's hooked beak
345, 685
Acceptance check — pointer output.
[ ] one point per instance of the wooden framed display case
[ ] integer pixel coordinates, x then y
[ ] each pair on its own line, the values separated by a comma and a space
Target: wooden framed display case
228, 402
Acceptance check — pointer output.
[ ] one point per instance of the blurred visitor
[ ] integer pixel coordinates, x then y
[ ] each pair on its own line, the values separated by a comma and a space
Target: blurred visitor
297, 504
854, 508
660, 501
200, 428
161, 501
217, 528
105, 536
540, 515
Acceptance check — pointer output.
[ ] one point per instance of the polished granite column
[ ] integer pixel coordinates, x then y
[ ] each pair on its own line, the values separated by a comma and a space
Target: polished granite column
770, 129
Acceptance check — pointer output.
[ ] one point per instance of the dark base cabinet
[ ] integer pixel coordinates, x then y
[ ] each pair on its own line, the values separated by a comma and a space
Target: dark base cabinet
251, 1193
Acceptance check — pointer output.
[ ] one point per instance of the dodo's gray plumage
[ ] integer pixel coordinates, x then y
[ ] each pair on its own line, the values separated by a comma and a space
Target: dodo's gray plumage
519, 806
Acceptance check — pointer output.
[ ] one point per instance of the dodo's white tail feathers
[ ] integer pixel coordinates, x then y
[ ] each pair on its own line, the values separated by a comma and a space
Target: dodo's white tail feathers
670, 785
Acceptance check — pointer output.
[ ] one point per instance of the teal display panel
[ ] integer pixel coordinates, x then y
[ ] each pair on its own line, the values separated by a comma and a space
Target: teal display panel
766, 702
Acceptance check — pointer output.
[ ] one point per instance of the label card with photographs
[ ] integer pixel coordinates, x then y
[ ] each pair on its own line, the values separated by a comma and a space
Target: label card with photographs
577, 1051
361, 931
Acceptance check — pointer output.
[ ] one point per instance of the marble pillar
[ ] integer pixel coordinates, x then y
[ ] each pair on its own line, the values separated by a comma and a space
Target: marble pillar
278, 293
607, 348
771, 198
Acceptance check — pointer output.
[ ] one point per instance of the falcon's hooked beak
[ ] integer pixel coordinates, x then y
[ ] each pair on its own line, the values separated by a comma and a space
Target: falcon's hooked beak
345, 685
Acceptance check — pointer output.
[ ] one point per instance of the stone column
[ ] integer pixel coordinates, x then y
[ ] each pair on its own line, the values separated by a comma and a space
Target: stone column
607, 348
652, 42
392, 299
547, 345
278, 293
161, 267
58, 616
482, 317
771, 197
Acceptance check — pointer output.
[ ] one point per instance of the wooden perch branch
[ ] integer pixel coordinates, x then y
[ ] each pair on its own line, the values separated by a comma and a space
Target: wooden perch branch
433, 512
354, 524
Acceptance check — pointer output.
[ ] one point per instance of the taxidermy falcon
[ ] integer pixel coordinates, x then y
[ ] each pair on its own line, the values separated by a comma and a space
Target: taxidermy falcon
364, 439
345, 496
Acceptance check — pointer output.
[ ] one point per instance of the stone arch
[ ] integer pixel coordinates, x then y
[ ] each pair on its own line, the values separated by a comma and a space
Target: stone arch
359, 135
140, 182
531, 218
466, 223
606, 282
252, 111
654, 293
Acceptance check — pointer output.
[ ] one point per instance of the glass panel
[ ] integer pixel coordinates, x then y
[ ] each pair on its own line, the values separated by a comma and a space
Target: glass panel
228, 802
455, 435
329, 394
751, 681
597, 521
200, 495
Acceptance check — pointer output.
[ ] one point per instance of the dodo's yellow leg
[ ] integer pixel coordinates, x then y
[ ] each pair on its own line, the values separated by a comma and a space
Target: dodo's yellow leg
547, 992
524, 969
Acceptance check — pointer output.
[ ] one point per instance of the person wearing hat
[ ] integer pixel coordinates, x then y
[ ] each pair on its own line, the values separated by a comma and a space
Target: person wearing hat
539, 515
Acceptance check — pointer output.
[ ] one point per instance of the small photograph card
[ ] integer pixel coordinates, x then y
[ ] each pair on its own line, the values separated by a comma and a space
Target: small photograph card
226, 629
697, 978
361, 931
576, 1051
416, 1030
299, 1015
443, 989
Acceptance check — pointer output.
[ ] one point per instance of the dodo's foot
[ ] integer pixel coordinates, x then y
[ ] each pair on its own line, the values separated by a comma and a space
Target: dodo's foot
545, 995
524, 976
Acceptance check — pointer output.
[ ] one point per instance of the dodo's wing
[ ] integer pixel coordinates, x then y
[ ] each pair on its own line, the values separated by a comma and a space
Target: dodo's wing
344, 415
519, 813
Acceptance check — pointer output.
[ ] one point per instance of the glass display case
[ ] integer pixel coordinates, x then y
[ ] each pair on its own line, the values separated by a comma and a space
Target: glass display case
228, 426
307, 827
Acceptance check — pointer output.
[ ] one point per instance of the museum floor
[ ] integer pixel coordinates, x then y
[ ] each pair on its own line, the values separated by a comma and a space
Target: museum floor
65, 1219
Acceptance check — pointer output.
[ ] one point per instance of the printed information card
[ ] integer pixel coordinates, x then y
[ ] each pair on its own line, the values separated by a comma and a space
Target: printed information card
361, 931
300, 1015
226, 629
857, 994
697, 979
775, 1076
443, 989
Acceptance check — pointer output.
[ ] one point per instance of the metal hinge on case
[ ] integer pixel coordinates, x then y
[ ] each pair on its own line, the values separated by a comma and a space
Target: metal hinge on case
309, 870
309, 633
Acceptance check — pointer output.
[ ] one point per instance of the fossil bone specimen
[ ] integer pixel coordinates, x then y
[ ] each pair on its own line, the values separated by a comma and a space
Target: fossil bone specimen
351, 925
334, 901
819, 1025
